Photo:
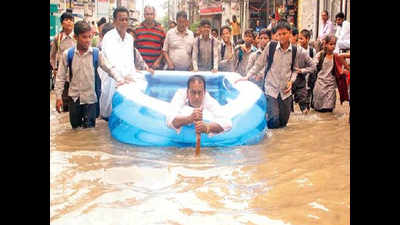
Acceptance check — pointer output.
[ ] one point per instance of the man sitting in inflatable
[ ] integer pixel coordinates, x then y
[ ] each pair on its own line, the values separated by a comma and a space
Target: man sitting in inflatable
197, 98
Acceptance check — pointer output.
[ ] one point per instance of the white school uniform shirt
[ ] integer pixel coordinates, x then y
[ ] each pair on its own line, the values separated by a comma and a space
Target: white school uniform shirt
343, 36
212, 110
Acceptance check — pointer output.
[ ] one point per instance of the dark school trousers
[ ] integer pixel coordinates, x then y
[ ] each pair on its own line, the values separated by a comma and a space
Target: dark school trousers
82, 115
278, 111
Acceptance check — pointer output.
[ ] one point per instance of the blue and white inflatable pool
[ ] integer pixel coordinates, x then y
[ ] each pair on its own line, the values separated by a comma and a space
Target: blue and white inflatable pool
139, 114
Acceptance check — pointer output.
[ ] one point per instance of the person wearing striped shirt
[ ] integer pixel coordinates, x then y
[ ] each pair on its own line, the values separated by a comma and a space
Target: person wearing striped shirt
149, 38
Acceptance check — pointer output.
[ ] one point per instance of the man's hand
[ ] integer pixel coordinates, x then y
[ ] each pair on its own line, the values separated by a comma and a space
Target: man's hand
258, 77
241, 79
289, 87
298, 70
197, 114
59, 104
200, 127
171, 66
150, 70
156, 64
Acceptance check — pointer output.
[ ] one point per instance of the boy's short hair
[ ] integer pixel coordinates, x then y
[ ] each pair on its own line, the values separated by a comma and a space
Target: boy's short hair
66, 15
118, 10
172, 22
249, 32
182, 14
266, 32
81, 27
205, 22
283, 25
339, 15
214, 29
329, 37
306, 33
225, 27
295, 31
107, 27
101, 21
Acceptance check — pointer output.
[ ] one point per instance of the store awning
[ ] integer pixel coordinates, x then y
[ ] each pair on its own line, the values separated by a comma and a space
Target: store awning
211, 11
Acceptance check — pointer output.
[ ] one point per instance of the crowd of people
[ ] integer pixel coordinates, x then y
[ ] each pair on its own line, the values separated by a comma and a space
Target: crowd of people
279, 59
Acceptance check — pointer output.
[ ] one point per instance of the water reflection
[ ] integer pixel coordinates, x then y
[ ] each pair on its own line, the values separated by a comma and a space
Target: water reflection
296, 175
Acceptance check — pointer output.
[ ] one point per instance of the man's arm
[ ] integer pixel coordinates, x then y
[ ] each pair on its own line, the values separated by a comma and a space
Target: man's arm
259, 63
194, 55
53, 54
165, 53
109, 69
216, 48
139, 62
60, 80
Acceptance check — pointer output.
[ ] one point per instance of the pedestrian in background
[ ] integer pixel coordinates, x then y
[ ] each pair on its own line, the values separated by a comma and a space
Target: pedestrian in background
178, 45
226, 51
149, 39
235, 29
62, 41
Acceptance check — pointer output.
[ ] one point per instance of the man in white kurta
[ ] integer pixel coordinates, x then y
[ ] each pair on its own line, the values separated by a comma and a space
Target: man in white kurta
117, 47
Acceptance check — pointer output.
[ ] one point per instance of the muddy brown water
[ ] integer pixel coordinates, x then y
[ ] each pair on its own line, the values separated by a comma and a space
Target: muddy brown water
297, 175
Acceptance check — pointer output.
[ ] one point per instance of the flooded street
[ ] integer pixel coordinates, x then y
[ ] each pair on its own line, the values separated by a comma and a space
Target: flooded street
297, 175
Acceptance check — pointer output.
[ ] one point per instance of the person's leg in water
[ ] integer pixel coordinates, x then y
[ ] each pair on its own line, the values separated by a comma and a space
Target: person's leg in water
272, 112
75, 114
284, 110
89, 115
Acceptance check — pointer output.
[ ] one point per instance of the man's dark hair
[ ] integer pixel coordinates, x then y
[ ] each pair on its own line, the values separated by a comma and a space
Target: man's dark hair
225, 27
249, 32
81, 27
205, 22
326, 11
283, 25
101, 21
306, 33
118, 10
266, 32
295, 31
107, 27
198, 78
181, 14
273, 16
339, 15
240, 41
66, 15
215, 29
234, 18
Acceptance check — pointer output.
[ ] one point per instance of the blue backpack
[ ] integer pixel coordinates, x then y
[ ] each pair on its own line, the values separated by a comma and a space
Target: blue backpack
97, 80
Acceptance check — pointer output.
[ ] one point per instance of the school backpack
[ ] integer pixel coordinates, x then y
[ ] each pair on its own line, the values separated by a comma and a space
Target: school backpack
212, 51
313, 76
300, 81
97, 80
270, 58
